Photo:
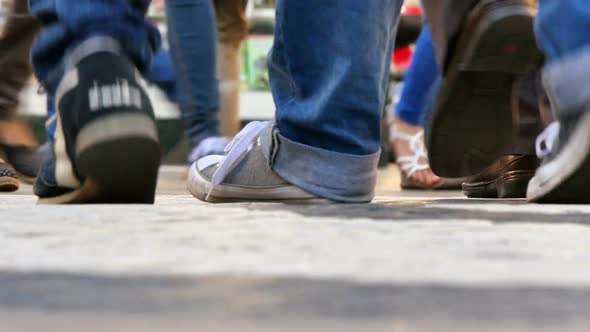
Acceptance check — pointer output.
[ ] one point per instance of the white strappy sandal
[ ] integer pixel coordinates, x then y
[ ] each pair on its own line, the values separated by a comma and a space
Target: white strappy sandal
417, 161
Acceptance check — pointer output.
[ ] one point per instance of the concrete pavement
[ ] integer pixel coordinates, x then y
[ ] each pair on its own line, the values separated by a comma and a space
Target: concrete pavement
411, 261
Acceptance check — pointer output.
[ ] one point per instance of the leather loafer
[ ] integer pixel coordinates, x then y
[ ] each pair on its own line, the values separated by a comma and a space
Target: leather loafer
507, 177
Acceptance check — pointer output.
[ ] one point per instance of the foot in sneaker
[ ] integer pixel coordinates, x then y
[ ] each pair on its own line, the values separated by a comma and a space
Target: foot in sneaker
105, 148
243, 174
565, 172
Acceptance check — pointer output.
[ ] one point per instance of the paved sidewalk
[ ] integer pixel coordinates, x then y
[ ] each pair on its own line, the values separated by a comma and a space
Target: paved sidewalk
411, 261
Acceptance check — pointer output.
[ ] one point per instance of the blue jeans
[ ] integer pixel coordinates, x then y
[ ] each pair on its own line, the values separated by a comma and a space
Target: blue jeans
68, 23
562, 32
192, 35
329, 71
419, 81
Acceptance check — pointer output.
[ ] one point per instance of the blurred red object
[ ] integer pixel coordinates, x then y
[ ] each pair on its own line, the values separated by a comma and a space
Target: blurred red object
411, 11
402, 58
408, 32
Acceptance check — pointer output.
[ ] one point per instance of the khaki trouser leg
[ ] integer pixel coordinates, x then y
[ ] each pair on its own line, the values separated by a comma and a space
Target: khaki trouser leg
232, 29
15, 48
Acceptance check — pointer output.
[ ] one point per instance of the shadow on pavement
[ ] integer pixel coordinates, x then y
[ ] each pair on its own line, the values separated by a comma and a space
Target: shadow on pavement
419, 210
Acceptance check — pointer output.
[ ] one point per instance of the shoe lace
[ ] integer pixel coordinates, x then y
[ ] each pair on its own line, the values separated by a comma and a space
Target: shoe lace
546, 141
236, 150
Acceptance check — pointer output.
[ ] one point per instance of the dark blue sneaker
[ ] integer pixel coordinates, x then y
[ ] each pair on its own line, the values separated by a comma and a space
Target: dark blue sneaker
104, 147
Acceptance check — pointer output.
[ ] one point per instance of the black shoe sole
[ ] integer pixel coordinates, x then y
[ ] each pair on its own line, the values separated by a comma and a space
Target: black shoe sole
120, 164
472, 123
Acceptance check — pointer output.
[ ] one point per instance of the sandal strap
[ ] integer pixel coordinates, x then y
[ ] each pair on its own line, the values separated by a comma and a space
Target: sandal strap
411, 168
411, 164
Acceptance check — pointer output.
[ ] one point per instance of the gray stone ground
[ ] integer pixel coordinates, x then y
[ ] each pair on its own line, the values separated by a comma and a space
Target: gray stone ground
411, 261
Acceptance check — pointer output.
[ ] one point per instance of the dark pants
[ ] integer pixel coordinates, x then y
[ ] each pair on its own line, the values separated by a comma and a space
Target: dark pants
15, 49
446, 18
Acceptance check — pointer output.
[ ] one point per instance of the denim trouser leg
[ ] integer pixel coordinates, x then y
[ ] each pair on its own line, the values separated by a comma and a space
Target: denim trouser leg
70, 22
191, 31
329, 68
562, 32
419, 81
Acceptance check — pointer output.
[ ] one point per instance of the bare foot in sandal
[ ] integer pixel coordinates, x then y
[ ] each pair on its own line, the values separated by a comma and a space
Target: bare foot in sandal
407, 142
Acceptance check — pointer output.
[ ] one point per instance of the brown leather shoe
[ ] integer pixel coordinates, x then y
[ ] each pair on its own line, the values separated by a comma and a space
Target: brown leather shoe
8, 178
507, 177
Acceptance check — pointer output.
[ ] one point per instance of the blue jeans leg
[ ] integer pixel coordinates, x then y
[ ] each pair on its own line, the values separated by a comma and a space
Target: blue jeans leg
329, 70
68, 23
192, 34
418, 81
562, 32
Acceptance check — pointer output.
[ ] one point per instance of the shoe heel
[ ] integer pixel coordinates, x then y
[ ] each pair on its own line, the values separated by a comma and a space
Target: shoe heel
119, 157
514, 187
508, 45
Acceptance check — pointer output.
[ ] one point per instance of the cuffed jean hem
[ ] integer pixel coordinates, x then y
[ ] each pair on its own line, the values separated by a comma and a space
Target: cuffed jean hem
565, 80
335, 176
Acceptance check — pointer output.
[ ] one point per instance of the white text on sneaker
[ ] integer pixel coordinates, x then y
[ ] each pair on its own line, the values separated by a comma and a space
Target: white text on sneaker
114, 95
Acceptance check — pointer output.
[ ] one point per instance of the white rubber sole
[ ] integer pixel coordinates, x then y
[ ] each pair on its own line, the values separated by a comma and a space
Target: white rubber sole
200, 188
563, 180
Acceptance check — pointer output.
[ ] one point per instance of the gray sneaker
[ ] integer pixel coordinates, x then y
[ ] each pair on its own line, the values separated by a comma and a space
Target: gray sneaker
565, 173
244, 175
